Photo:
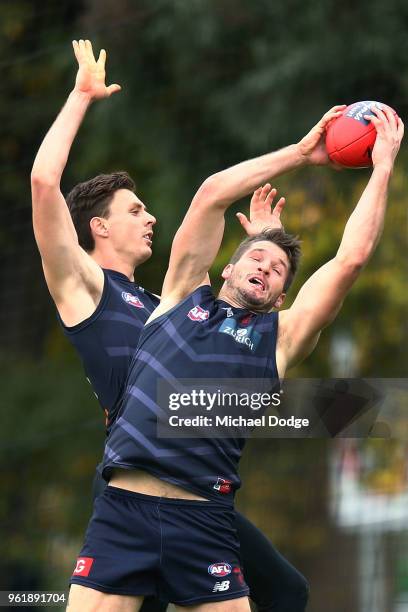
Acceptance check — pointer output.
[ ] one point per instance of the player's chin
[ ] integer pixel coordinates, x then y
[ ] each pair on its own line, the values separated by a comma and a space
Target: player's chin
145, 254
254, 301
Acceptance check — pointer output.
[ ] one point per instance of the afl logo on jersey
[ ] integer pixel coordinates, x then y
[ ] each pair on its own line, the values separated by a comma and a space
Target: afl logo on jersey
133, 300
219, 570
198, 314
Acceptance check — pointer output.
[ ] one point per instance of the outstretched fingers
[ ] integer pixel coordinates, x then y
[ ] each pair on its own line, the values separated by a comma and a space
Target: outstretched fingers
279, 206
77, 51
83, 51
102, 59
113, 89
244, 221
400, 128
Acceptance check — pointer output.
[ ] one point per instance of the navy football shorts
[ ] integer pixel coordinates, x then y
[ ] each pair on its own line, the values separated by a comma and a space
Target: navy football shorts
183, 551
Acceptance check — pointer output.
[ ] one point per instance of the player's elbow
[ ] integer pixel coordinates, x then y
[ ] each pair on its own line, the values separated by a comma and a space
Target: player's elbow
43, 181
210, 193
352, 263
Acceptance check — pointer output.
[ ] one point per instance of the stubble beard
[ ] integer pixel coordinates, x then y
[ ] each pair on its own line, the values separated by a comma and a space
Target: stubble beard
246, 299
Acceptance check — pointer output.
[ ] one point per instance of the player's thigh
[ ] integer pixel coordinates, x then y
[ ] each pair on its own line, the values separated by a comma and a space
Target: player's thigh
84, 599
241, 604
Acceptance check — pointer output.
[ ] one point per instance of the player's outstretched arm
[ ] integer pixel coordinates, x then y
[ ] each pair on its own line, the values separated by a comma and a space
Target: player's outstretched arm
198, 239
321, 297
65, 264
228, 186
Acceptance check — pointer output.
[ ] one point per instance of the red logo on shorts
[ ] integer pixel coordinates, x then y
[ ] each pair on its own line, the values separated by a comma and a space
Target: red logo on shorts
83, 566
223, 485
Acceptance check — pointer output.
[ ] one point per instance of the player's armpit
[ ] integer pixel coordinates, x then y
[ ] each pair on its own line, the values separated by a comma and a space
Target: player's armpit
77, 293
291, 350
172, 299
316, 306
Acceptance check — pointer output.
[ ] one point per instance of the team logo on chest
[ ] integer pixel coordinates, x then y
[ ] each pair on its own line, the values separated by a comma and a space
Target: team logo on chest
198, 314
133, 300
243, 335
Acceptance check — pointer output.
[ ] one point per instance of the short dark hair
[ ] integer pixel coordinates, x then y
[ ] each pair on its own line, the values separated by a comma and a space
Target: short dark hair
92, 199
287, 242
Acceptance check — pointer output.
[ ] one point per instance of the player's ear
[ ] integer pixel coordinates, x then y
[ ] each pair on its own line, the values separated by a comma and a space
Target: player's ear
227, 271
99, 226
279, 301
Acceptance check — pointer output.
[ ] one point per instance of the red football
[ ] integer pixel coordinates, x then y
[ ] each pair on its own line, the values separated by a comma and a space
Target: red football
350, 138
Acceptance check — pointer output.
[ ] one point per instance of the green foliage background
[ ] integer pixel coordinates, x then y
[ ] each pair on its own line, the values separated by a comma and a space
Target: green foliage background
206, 83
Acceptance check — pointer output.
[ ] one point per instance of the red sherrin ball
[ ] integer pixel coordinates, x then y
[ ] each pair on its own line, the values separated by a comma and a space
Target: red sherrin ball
350, 138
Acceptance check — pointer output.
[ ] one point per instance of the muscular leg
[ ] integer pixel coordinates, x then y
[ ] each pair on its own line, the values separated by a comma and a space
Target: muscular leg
84, 599
275, 585
241, 604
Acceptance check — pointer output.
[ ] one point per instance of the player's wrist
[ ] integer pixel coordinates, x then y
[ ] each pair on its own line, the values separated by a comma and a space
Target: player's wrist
384, 166
81, 95
300, 154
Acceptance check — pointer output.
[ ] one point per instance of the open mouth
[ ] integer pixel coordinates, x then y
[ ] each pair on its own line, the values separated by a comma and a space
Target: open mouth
148, 237
257, 281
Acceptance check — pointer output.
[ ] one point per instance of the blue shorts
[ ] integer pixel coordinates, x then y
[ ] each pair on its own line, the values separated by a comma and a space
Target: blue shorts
183, 551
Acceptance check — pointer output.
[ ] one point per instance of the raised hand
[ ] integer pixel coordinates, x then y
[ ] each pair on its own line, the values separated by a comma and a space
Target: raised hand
312, 147
261, 214
90, 78
390, 130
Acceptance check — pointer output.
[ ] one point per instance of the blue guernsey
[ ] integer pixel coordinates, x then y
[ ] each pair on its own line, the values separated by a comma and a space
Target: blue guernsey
107, 340
200, 338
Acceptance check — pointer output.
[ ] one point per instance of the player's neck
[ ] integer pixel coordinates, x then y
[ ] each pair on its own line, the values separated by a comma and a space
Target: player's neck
114, 262
233, 299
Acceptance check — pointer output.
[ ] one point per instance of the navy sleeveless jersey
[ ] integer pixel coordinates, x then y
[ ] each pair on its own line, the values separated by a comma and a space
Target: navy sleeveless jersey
200, 338
107, 340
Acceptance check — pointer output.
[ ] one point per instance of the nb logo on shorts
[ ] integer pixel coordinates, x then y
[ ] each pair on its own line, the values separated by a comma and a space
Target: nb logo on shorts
221, 586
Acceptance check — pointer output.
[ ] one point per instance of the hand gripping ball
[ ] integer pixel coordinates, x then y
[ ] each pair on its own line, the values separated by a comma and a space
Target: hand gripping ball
350, 138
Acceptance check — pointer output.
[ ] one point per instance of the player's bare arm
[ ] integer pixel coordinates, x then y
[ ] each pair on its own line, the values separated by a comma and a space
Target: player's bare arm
75, 281
198, 239
321, 297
